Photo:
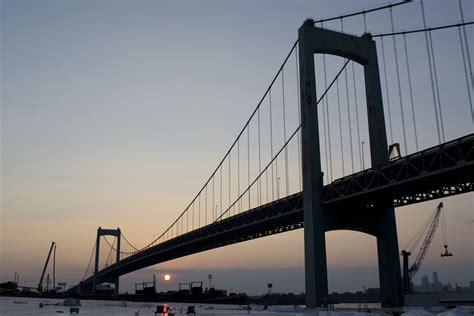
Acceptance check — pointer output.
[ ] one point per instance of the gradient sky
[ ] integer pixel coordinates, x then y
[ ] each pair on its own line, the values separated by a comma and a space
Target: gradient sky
113, 114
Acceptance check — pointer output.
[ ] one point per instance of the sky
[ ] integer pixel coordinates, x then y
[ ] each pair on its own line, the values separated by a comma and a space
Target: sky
115, 112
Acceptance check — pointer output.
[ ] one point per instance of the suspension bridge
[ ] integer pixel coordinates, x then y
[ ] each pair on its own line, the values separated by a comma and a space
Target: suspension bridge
300, 161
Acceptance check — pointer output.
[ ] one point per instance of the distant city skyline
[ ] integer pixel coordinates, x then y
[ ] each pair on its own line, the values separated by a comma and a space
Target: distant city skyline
113, 114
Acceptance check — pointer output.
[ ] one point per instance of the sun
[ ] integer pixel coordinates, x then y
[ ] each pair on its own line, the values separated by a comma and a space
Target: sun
167, 277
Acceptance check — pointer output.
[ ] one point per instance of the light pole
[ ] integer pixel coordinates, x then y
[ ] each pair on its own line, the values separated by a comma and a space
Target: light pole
278, 187
363, 164
210, 284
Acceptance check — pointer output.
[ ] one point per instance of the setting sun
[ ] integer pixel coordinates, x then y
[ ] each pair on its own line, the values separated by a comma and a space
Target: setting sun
167, 277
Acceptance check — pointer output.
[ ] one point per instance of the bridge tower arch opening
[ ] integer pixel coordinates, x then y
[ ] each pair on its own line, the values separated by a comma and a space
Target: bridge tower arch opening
106, 232
318, 219
351, 265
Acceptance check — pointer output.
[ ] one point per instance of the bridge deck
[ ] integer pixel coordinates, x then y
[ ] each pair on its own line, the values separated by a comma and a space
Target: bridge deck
437, 172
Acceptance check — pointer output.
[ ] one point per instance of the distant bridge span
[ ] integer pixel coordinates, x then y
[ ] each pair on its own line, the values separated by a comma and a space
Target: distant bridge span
437, 172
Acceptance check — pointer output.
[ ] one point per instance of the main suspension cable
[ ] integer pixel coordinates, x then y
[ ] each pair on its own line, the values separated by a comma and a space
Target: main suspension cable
124, 238
106, 264
88, 265
363, 12
424, 29
230, 149
284, 145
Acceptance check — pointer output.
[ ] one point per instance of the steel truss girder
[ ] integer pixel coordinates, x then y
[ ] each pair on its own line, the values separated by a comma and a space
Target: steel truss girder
437, 172
273, 218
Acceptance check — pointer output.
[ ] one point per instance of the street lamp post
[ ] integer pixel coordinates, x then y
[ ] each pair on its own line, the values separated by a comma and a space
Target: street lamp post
278, 187
210, 284
363, 162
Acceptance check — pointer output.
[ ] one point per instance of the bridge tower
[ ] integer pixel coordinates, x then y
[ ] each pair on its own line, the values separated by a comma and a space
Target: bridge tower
379, 222
106, 232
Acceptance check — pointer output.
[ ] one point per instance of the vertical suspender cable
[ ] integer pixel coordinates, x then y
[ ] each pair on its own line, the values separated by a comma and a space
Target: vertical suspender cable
199, 211
259, 160
266, 182
284, 131
324, 118
229, 213
357, 116
437, 86
340, 125
238, 174
221, 205
324, 132
193, 215
411, 91
213, 200
431, 72
348, 110
328, 123
277, 178
467, 45
386, 92
400, 99
248, 159
365, 22
299, 117
467, 77
271, 140
205, 217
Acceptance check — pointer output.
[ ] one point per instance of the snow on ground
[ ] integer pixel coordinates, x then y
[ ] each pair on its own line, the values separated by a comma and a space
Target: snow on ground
30, 306
16, 306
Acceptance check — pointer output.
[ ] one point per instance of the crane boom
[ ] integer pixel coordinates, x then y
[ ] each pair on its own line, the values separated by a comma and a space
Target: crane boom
409, 273
40, 284
426, 243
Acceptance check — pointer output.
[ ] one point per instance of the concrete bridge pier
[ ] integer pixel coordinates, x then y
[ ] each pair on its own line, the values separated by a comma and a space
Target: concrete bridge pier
318, 219
391, 292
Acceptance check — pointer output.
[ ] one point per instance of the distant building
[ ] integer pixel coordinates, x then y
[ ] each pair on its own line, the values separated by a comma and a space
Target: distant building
438, 286
425, 282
